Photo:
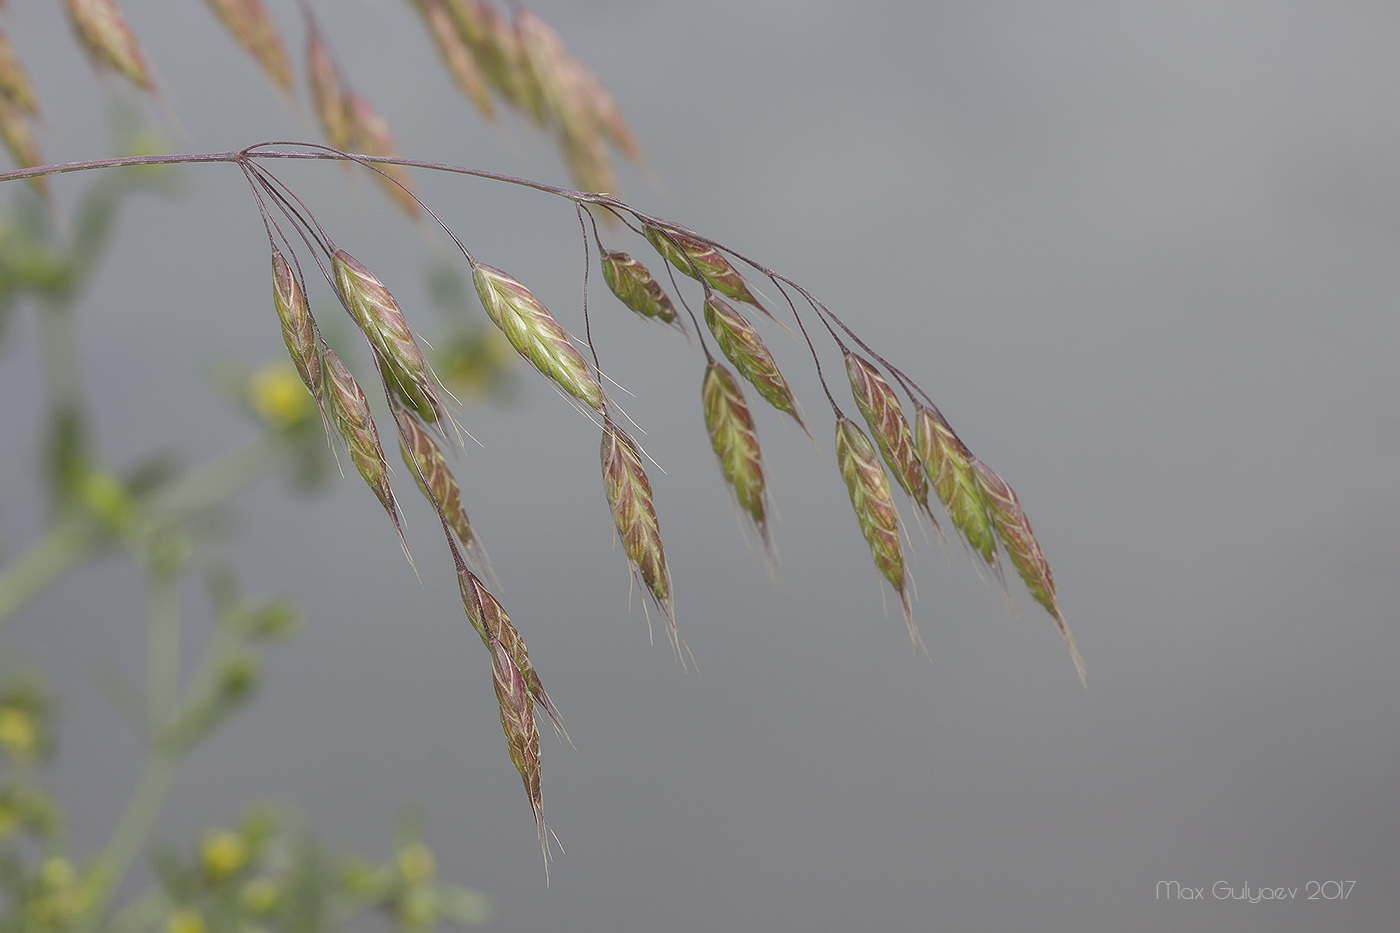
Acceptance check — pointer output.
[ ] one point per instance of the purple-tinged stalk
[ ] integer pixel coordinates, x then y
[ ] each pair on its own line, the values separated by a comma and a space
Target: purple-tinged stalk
298, 329
14, 82
1014, 530
884, 415
634, 514
948, 464
535, 334
489, 618
740, 342
108, 40
635, 287
426, 462
690, 255
369, 133
732, 435
378, 316
255, 30
869, 489
351, 416
456, 54
328, 97
522, 733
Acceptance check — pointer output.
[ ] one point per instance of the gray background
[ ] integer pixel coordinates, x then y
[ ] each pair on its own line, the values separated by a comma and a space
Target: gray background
1144, 258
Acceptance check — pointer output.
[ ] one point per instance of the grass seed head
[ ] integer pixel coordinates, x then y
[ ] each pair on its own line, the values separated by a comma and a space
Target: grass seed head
256, 31
884, 415
369, 133
869, 489
522, 733
948, 464
634, 514
689, 253
732, 435
1014, 530
743, 346
108, 40
379, 317
327, 93
634, 286
535, 334
456, 54
14, 82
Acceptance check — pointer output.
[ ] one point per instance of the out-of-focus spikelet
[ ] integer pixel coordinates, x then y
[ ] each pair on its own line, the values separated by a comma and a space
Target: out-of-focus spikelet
746, 350
1014, 530
732, 435
254, 29
535, 334
869, 489
108, 40
884, 415
634, 286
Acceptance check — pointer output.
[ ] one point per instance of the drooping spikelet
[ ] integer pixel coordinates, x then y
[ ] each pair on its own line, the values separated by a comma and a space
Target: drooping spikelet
426, 462
379, 317
14, 82
522, 733
1014, 530
328, 97
634, 286
689, 254
369, 134
634, 514
732, 434
746, 350
535, 334
456, 53
884, 415
869, 489
108, 40
489, 618
350, 414
948, 464
254, 29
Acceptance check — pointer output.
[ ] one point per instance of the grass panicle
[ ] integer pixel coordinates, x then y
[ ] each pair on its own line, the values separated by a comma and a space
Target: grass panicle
425, 460
370, 134
254, 29
535, 334
378, 316
634, 515
948, 464
522, 732
14, 81
880, 406
489, 618
732, 435
108, 40
690, 254
635, 287
1014, 530
869, 489
328, 97
740, 342
456, 54
351, 416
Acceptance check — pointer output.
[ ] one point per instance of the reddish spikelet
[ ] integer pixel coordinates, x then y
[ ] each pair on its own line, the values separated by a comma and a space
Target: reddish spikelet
634, 286
327, 93
690, 254
948, 464
23, 147
108, 41
747, 351
535, 334
489, 618
255, 30
732, 435
1014, 530
456, 53
869, 489
370, 134
379, 317
14, 82
351, 416
884, 415
634, 514
426, 462
522, 734
298, 329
